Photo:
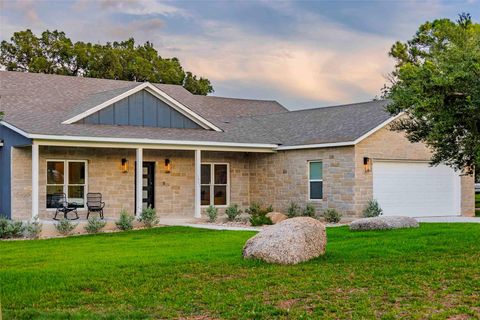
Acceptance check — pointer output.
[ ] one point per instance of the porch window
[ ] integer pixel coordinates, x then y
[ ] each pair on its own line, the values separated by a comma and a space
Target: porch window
214, 184
315, 180
69, 177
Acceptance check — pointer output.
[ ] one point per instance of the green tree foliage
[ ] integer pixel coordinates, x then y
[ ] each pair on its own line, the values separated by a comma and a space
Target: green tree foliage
54, 53
436, 83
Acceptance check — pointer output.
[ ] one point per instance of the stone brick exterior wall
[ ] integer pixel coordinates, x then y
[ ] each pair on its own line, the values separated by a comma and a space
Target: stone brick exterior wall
272, 179
174, 191
21, 183
280, 178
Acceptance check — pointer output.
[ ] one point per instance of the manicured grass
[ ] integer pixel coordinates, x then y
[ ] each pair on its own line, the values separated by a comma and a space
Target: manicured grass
430, 272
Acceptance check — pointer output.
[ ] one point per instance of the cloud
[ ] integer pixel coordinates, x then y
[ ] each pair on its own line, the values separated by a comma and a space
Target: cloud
332, 66
141, 7
142, 27
301, 53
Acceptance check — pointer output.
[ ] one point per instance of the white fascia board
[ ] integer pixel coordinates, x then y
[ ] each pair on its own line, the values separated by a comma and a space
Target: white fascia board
13, 128
181, 108
380, 126
150, 141
318, 145
204, 123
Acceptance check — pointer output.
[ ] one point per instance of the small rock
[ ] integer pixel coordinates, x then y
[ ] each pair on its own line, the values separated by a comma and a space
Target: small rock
276, 217
383, 223
289, 242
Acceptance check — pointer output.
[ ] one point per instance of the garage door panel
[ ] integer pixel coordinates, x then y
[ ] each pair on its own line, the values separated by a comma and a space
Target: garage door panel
416, 189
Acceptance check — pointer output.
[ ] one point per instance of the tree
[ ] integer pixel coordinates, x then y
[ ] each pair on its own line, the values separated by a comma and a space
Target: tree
54, 53
436, 84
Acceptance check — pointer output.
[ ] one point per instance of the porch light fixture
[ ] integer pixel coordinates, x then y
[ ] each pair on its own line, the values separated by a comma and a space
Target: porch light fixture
367, 164
168, 166
124, 165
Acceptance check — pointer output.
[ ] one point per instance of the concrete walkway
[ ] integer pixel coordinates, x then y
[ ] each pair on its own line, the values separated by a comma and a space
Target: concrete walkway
452, 219
204, 225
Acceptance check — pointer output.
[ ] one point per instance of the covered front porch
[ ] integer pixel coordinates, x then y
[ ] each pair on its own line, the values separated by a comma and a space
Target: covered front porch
179, 180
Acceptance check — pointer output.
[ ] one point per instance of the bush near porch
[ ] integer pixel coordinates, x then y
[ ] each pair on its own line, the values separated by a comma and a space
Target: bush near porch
183, 272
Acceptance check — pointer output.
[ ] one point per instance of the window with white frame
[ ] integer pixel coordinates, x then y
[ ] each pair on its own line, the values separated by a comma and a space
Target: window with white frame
315, 180
214, 184
69, 177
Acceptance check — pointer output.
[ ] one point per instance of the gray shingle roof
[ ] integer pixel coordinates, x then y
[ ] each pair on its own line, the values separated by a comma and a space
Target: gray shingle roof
39, 103
342, 123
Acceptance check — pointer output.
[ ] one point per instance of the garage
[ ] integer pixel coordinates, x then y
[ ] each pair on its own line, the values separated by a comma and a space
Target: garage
415, 189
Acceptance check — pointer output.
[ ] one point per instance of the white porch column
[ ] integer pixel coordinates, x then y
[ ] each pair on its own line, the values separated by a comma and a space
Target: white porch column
198, 167
35, 174
139, 182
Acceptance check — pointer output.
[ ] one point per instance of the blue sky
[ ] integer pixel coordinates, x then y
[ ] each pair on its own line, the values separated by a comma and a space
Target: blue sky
303, 54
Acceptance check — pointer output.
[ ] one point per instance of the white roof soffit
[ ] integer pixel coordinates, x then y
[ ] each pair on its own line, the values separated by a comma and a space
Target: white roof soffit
204, 123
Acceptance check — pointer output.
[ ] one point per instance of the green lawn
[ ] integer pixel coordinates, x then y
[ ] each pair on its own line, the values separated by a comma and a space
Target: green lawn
433, 271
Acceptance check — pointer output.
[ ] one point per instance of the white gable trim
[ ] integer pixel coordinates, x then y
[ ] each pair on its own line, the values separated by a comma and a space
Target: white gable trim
343, 144
15, 129
204, 123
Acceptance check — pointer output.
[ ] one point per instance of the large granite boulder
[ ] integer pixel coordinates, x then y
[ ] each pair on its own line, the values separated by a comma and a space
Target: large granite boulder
276, 217
289, 242
383, 223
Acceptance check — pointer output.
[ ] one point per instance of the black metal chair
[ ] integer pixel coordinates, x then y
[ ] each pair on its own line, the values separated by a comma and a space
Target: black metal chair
95, 203
59, 200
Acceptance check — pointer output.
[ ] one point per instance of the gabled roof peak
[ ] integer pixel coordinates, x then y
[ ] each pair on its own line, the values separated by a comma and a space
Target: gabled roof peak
101, 100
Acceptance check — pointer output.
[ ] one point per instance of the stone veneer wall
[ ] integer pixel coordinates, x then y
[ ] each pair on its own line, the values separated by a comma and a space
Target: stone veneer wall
390, 145
174, 191
280, 178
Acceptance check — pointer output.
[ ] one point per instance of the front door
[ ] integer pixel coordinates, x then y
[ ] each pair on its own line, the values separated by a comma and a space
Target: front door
148, 185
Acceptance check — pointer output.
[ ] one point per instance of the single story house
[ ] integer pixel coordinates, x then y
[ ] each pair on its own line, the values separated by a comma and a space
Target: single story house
144, 144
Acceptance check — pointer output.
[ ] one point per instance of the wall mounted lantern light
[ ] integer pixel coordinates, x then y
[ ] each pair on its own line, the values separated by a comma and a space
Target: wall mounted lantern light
168, 166
367, 164
124, 165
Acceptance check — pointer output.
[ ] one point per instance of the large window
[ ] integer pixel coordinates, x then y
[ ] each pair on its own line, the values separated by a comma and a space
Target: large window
215, 184
315, 180
69, 177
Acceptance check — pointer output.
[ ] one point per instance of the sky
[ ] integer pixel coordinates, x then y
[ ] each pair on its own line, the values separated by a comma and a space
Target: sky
303, 54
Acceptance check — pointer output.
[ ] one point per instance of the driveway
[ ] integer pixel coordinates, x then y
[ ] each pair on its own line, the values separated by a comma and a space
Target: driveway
452, 219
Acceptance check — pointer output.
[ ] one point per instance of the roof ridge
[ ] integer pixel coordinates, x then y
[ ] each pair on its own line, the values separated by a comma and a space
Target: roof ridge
245, 99
339, 105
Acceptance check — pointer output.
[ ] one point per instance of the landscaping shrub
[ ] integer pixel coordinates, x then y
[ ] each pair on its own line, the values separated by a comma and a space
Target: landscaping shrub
372, 209
94, 225
309, 211
332, 215
125, 222
293, 210
11, 229
258, 215
65, 226
3, 226
33, 228
149, 217
212, 213
233, 212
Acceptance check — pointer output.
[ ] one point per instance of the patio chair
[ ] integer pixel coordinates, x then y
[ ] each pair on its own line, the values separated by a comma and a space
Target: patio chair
59, 200
95, 204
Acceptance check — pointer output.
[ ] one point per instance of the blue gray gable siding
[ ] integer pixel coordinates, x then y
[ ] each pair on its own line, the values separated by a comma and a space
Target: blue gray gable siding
141, 109
10, 139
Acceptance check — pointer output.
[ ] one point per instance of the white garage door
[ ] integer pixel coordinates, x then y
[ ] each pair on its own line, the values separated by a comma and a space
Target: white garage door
415, 189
